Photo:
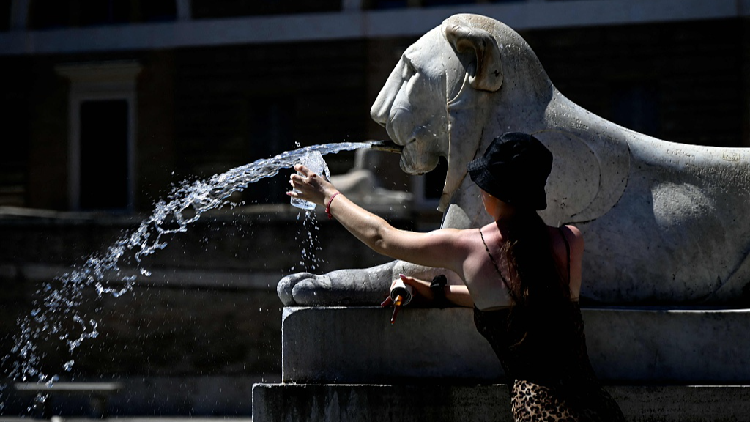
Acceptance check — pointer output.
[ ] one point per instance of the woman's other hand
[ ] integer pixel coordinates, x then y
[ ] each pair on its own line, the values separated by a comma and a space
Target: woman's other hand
310, 186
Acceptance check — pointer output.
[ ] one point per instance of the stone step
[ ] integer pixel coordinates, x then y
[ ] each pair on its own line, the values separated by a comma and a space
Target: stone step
437, 402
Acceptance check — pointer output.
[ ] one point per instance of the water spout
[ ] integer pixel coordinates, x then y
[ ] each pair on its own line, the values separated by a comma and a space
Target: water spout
387, 146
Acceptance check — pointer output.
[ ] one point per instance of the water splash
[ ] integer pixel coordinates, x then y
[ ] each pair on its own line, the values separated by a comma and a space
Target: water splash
58, 310
308, 238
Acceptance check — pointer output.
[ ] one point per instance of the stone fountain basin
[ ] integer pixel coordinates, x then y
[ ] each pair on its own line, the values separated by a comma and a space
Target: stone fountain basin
646, 345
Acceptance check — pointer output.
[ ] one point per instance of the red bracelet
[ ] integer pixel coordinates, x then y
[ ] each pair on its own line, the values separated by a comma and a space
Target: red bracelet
328, 206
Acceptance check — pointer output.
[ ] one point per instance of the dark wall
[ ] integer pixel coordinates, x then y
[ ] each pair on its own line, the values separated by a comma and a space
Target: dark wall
237, 104
15, 109
682, 82
213, 9
155, 132
48, 134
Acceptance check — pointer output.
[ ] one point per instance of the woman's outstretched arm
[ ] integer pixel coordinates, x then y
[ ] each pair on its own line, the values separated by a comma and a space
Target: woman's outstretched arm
441, 248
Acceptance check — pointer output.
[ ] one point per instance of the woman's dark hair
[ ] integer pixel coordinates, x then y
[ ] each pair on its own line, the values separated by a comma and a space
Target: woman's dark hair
539, 285
536, 277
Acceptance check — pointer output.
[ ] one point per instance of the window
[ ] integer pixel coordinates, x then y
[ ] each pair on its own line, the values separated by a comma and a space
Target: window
101, 144
104, 160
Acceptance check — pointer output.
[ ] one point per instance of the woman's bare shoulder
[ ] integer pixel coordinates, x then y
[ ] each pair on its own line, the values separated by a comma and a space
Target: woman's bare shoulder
455, 237
572, 234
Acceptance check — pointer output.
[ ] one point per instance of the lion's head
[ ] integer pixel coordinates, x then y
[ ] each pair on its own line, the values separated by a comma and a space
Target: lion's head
437, 92
472, 79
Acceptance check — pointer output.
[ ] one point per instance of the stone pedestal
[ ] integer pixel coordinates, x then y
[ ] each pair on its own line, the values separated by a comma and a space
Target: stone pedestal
350, 363
480, 403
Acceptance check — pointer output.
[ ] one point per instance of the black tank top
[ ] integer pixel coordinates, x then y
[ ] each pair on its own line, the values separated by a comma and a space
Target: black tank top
548, 347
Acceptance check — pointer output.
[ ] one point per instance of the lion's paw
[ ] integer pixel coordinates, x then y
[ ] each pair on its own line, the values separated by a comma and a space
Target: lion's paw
302, 289
285, 288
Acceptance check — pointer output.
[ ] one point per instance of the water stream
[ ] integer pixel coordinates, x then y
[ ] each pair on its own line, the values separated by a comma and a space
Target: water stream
53, 315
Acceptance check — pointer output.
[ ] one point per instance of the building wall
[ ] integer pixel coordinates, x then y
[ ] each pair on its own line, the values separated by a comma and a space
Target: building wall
15, 107
47, 166
156, 146
199, 112
682, 82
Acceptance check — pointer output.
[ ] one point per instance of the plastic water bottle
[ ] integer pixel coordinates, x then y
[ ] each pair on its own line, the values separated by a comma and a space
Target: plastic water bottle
314, 161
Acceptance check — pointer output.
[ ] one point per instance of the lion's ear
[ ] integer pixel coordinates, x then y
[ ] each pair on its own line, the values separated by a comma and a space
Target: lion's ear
489, 71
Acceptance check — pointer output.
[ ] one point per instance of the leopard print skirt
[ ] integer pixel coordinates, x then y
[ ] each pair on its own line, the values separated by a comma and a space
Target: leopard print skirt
531, 402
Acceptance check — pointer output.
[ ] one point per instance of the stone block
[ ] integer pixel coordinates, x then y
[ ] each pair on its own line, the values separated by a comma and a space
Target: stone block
682, 403
358, 344
377, 403
646, 345
669, 345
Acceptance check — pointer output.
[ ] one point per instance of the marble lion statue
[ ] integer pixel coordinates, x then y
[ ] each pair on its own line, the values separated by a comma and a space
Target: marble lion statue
664, 223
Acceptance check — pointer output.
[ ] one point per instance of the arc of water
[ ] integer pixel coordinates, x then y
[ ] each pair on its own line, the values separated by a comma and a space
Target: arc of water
184, 206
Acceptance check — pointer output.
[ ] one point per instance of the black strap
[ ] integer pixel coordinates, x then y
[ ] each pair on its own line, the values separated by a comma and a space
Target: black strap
507, 285
567, 249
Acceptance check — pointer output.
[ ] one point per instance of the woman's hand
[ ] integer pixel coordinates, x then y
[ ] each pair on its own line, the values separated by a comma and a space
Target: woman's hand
423, 295
310, 186
421, 289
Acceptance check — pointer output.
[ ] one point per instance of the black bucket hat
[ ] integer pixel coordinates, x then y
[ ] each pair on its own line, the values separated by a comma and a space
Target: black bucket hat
514, 169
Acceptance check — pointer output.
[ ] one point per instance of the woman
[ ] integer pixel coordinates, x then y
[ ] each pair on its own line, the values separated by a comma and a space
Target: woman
522, 277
